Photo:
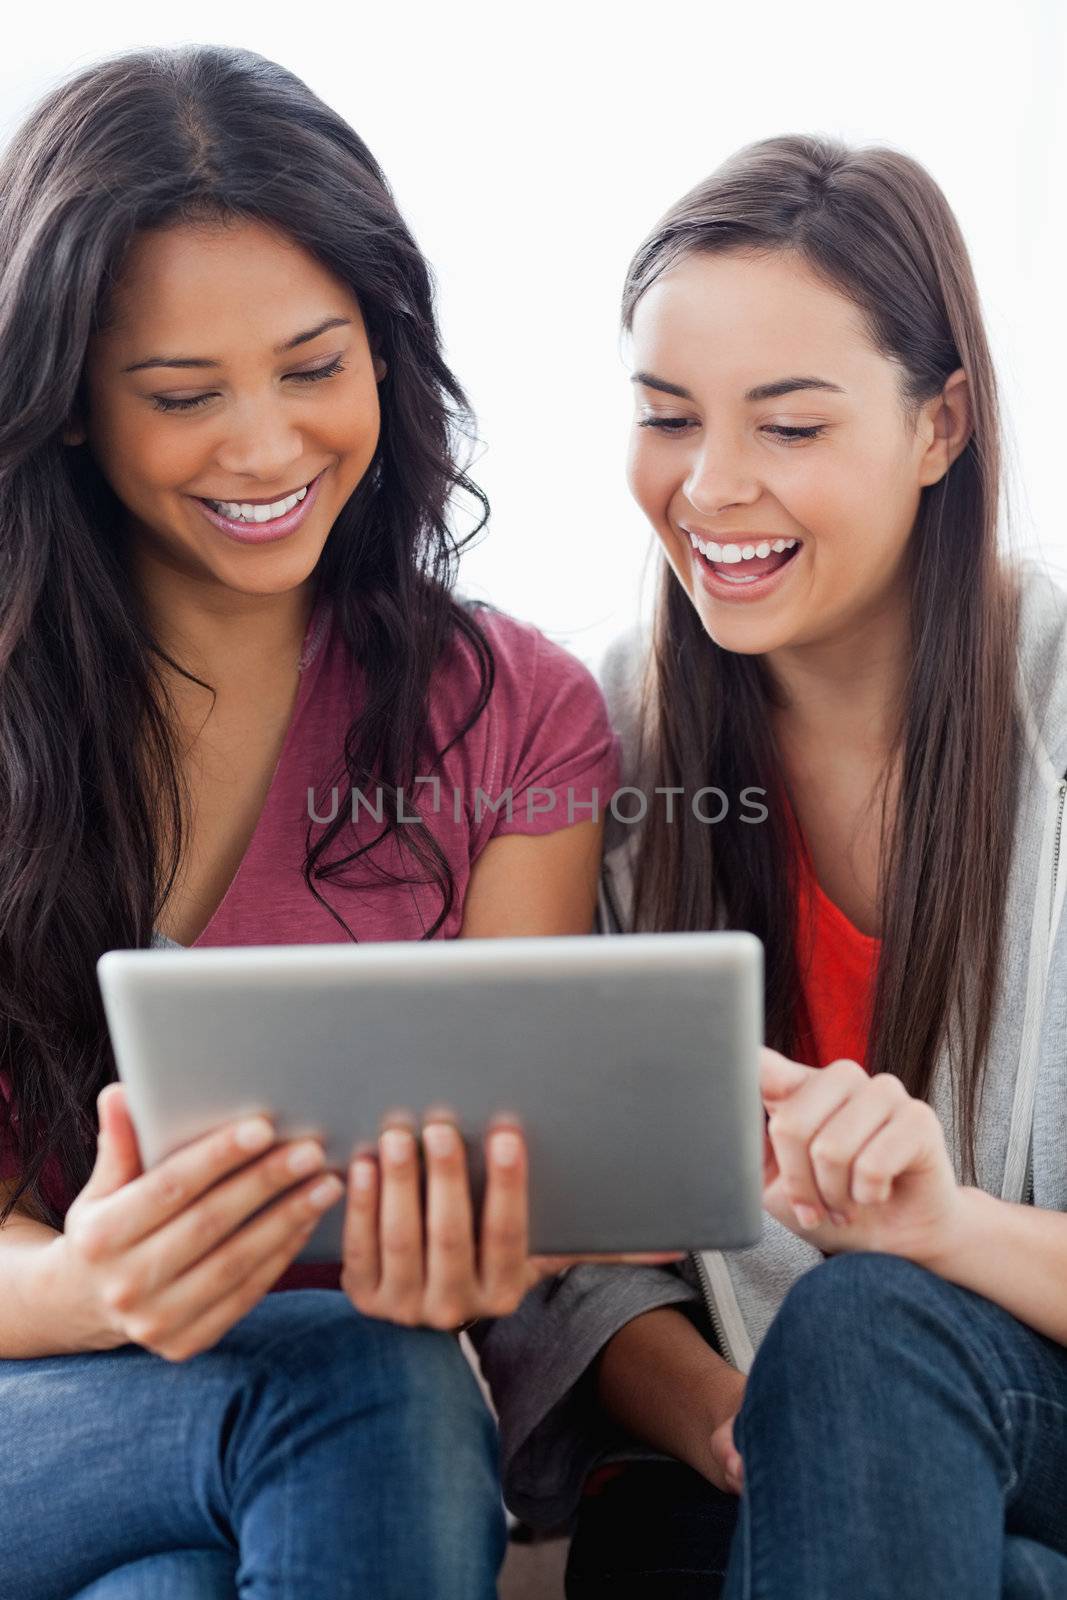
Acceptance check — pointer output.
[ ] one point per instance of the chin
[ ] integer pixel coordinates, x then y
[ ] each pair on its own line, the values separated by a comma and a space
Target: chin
740, 636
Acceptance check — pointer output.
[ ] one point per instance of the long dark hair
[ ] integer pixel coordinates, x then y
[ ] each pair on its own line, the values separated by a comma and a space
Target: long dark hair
140, 141
873, 225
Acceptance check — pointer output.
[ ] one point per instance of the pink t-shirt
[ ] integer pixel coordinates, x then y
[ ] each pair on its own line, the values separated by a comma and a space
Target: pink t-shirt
539, 754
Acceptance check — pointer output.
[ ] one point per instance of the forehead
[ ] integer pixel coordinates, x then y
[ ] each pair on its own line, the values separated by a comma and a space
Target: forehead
746, 319
209, 286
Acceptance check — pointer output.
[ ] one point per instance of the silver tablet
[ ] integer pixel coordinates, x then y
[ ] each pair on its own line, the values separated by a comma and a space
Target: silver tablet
632, 1064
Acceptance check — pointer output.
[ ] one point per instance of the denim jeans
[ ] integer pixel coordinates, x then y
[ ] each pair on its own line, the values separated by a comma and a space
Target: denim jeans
311, 1453
902, 1437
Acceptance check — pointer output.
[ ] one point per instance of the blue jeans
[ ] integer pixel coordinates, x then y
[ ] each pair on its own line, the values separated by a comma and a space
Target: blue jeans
902, 1438
311, 1453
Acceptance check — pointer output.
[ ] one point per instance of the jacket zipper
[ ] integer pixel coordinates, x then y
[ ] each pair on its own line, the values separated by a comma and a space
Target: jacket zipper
1059, 837
709, 1302
1028, 1198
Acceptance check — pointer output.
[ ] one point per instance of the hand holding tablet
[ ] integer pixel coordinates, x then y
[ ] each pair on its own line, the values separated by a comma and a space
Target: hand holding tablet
418, 1261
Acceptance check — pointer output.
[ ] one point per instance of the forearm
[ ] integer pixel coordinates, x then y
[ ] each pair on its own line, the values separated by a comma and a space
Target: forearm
39, 1316
1015, 1255
665, 1384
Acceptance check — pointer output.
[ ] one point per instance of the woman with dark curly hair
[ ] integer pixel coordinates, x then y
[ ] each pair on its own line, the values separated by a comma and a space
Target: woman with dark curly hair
228, 441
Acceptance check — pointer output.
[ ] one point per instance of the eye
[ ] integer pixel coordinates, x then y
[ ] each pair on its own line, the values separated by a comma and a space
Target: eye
664, 424
789, 434
786, 434
313, 375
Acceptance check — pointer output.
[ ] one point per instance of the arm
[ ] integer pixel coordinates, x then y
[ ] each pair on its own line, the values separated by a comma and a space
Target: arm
36, 1318
1015, 1255
856, 1163
534, 884
664, 1383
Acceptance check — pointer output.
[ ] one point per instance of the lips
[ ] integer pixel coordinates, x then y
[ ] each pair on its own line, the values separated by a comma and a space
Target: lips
254, 500
251, 532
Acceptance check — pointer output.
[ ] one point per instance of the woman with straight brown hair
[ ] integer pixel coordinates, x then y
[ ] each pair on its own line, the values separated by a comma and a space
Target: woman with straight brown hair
873, 1399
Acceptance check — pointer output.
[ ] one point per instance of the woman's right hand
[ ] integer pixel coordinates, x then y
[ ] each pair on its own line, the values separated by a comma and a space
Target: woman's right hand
168, 1259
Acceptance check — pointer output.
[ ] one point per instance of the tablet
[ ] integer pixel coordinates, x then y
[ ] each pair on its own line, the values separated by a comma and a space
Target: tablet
632, 1064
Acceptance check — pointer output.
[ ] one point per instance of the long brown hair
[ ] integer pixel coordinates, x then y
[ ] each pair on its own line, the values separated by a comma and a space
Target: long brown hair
91, 838
873, 224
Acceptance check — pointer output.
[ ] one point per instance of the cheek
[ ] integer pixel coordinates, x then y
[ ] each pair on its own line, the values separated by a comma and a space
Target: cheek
139, 449
350, 427
651, 478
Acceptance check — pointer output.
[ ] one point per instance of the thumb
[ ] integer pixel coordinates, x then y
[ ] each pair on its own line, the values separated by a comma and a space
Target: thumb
118, 1157
778, 1076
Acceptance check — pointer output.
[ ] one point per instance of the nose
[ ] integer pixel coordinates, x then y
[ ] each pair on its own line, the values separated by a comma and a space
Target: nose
261, 444
718, 479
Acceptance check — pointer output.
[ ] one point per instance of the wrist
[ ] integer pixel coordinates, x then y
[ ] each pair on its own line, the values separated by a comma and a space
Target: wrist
85, 1327
960, 1235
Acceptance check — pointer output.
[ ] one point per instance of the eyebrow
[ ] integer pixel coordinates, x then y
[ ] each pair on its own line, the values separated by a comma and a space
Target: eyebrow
762, 391
279, 349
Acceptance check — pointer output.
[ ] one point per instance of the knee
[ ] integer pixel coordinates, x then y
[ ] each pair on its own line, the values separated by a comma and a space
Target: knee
842, 1320
313, 1345
412, 1388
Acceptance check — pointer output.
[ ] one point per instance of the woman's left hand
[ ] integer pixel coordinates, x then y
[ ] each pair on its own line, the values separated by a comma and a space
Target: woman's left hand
853, 1162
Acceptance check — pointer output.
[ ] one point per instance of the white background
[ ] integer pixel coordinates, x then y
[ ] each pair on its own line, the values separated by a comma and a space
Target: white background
531, 150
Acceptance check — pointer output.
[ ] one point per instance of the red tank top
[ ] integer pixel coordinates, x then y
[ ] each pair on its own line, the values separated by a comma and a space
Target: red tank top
838, 965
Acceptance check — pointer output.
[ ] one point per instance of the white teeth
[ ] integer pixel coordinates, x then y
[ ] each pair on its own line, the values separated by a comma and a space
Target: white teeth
735, 552
239, 511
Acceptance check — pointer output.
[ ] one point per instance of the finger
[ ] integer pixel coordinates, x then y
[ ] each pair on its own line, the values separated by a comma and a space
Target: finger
842, 1136
142, 1206
909, 1142
735, 1467
206, 1330
770, 1160
360, 1255
400, 1288
452, 1287
794, 1123
504, 1241
778, 1076
118, 1157
204, 1224
283, 1227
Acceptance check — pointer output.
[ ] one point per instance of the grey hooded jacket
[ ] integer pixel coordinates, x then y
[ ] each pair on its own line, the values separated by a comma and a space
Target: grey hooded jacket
539, 1360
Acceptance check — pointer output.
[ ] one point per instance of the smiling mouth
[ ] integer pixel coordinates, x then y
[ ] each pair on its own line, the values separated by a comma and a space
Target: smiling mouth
258, 510
730, 554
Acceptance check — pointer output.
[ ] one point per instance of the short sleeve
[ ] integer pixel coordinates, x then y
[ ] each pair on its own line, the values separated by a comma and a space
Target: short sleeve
556, 757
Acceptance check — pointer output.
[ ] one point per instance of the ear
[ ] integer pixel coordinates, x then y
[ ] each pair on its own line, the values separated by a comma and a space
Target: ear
380, 369
950, 418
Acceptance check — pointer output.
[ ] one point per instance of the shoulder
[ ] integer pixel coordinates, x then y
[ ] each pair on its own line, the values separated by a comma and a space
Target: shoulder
622, 672
531, 672
1042, 652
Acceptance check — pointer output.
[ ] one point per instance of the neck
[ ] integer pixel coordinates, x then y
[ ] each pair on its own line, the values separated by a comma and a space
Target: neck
235, 642
847, 689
